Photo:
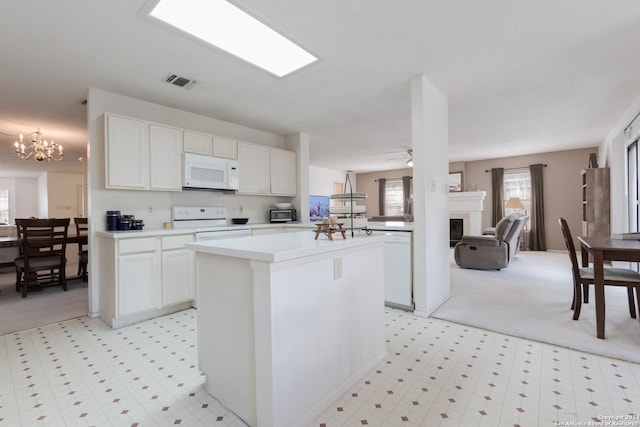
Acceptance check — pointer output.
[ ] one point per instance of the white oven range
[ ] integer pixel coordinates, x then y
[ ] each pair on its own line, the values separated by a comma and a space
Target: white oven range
210, 222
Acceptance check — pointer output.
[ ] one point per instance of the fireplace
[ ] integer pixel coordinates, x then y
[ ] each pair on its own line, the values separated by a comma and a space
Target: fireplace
467, 205
456, 230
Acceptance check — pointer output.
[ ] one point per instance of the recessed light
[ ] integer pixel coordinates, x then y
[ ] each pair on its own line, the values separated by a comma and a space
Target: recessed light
231, 29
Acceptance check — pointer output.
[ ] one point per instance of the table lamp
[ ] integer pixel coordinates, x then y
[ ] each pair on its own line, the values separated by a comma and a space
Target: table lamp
515, 203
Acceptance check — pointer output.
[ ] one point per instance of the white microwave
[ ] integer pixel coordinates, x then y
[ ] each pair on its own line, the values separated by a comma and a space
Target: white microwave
210, 172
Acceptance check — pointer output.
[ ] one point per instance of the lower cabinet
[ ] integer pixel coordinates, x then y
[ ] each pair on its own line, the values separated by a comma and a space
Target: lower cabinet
150, 276
178, 270
138, 277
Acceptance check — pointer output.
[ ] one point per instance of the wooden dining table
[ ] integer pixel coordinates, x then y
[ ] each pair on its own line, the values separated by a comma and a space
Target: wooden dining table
605, 249
15, 242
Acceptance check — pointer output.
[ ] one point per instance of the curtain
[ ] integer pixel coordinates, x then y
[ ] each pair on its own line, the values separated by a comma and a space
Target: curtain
497, 199
406, 195
382, 184
537, 241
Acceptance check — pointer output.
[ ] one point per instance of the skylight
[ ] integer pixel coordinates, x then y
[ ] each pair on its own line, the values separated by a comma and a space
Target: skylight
225, 26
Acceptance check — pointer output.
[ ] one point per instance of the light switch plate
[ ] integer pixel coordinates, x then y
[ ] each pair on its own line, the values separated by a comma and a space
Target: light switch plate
337, 268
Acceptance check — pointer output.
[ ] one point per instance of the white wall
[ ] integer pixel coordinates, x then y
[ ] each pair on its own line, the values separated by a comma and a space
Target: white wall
23, 197
63, 193
321, 180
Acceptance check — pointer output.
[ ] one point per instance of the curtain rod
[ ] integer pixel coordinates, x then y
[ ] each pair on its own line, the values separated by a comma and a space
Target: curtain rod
508, 169
376, 180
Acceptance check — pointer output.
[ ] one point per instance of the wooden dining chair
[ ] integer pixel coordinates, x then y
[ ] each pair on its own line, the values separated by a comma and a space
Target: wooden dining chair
82, 230
583, 277
43, 260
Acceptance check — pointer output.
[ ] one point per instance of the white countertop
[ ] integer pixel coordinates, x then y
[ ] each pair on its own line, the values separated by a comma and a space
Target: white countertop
281, 247
153, 232
390, 226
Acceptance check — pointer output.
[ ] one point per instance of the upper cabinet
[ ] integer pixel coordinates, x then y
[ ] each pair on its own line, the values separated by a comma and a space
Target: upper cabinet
210, 145
265, 170
148, 156
127, 148
253, 161
226, 148
165, 160
142, 156
198, 143
283, 172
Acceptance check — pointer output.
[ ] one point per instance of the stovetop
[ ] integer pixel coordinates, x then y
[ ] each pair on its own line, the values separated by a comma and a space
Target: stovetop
198, 216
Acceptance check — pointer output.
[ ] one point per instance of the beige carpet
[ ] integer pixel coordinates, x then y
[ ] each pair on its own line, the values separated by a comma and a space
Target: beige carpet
40, 308
532, 298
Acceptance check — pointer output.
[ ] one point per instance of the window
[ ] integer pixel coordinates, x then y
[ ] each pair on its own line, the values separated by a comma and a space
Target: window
517, 183
393, 200
4, 206
634, 188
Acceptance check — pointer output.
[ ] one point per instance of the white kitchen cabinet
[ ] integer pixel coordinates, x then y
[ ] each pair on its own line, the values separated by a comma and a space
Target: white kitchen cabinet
265, 170
197, 143
226, 148
138, 276
165, 160
142, 155
209, 145
146, 276
178, 267
127, 153
283, 172
254, 168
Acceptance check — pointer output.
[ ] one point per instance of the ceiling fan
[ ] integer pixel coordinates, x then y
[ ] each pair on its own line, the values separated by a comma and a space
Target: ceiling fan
408, 156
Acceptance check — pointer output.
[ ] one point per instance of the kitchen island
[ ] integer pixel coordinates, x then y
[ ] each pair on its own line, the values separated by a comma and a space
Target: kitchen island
286, 323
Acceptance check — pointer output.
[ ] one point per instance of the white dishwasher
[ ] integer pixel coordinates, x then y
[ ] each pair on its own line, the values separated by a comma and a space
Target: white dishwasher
209, 223
398, 268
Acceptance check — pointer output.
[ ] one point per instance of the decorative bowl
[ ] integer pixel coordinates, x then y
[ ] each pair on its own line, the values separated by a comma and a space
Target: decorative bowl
239, 220
283, 205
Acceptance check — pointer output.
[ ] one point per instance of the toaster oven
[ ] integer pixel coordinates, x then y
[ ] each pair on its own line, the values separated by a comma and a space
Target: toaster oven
282, 215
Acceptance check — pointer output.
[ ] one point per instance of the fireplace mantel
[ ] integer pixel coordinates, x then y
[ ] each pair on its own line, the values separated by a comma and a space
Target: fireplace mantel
468, 205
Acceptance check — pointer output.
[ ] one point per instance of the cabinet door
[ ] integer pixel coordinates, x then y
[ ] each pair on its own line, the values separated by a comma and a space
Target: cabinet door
178, 267
165, 161
138, 282
223, 147
197, 143
127, 148
254, 168
283, 172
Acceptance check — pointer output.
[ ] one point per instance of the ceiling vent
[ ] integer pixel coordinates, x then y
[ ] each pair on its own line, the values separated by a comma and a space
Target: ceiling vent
179, 81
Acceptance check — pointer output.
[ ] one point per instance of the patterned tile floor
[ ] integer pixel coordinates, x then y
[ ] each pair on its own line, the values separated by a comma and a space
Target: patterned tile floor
82, 373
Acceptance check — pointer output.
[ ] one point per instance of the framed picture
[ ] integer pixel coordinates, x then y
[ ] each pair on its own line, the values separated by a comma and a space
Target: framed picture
455, 181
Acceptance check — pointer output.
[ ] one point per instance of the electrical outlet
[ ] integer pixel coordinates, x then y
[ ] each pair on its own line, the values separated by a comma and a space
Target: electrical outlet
149, 210
337, 268
241, 209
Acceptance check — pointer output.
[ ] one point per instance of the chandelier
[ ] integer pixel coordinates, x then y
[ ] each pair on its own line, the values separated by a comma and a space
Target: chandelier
39, 149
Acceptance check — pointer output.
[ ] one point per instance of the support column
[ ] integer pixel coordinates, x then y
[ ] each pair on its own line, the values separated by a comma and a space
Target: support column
430, 143
299, 142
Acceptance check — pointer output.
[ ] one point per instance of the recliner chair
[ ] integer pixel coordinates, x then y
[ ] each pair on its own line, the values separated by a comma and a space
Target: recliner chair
492, 252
